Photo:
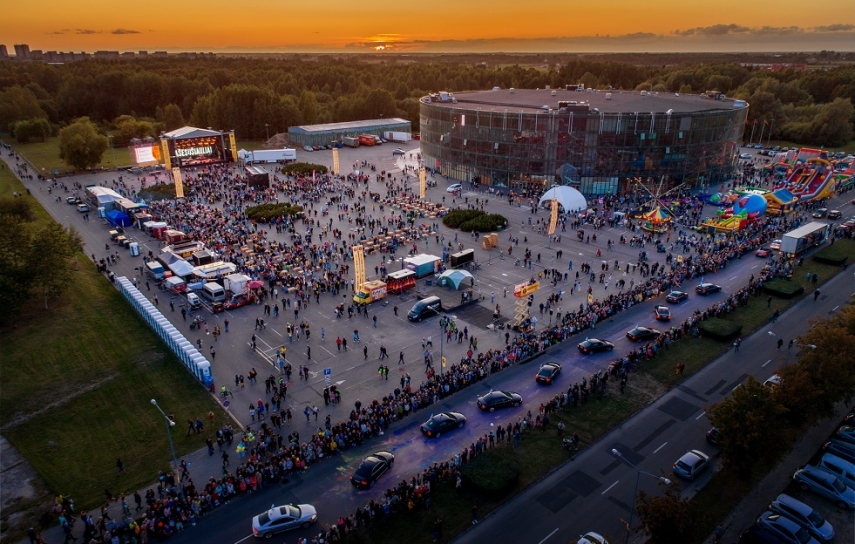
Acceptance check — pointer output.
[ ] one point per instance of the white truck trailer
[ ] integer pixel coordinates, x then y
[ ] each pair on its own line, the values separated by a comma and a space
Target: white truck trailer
261, 156
398, 137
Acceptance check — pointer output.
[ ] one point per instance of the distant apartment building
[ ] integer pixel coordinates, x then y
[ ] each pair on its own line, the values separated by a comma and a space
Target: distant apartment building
22, 51
4, 53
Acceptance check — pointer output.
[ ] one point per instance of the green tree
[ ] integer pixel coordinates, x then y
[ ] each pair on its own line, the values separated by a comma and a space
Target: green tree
81, 145
750, 425
309, 106
667, 518
18, 104
31, 129
833, 124
172, 117
16, 215
51, 260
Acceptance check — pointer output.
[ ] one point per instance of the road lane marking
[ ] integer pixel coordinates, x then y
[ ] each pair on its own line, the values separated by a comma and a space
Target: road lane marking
541, 542
244, 538
660, 447
766, 363
733, 278
609, 488
755, 266
700, 416
835, 308
351, 368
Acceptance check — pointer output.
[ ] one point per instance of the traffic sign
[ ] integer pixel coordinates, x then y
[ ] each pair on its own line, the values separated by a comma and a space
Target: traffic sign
327, 372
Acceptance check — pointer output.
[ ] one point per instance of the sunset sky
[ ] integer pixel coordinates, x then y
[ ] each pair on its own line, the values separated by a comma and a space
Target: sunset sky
434, 26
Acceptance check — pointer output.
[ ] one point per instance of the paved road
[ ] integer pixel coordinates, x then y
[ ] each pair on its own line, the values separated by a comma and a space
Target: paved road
594, 492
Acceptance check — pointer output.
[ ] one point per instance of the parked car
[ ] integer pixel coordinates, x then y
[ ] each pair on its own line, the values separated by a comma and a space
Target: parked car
773, 381
713, 436
283, 518
846, 433
784, 528
841, 468
745, 155
803, 515
398, 151
662, 313
758, 535
707, 288
593, 345
454, 187
592, 538
499, 399
72, 200
442, 422
816, 480
547, 373
692, 464
840, 449
642, 333
82, 208
675, 297
308, 148
371, 468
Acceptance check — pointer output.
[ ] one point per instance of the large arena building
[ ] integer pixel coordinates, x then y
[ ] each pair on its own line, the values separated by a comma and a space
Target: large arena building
600, 142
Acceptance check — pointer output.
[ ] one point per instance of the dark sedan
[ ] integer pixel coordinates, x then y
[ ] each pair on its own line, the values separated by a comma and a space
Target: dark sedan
675, 297
713, 436
547, 373
593, 345
444, 422
642, 333
662, 313
499, 399
707, 288
371, 468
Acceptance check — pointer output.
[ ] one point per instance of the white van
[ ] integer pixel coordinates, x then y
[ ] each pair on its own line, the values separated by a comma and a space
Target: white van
839, 467
214, 292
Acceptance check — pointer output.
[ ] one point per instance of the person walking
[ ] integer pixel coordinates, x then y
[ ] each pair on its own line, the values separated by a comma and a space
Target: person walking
780, 342
365, 351
815, 294
401, 359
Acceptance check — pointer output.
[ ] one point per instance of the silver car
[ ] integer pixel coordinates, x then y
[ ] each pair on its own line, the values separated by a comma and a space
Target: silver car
811, 478
804, 515
691, 464
784, 529
283, 518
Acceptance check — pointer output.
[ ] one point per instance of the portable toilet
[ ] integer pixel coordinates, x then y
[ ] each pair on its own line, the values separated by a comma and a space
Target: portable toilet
135, 249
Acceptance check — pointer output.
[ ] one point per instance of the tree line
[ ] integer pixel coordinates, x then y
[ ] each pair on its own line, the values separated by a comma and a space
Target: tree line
134, 99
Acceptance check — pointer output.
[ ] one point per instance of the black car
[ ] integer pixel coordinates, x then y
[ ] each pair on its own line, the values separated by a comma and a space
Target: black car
757, 535
547, 373
707, 288
675, 297
593, 345
371, 468
499, 399
441, 423
642, 333
713, 436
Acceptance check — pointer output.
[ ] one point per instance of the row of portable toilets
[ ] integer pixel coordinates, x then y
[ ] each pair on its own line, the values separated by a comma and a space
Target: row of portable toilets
183, 348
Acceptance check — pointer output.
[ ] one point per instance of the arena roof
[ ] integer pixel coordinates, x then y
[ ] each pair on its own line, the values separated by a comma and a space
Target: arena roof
349, 126
533, 100
185, 133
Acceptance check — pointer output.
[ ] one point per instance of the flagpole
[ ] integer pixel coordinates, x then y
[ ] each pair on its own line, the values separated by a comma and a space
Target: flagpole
753, 126
762, 130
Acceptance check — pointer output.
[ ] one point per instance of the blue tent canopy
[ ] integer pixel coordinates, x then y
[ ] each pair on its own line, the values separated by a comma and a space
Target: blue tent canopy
118, 219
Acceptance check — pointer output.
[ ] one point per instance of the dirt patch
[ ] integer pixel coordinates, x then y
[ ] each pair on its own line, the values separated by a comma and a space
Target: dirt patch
65, 399
644, 385
25, 496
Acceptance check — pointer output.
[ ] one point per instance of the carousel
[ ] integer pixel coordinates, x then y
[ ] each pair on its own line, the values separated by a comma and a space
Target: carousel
656, 220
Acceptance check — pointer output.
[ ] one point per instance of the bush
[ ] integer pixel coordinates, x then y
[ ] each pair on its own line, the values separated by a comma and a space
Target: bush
303, 168
490, 472
782, 288
266, 212
474, 220
455, 218
161, 191
833, 255
720, 329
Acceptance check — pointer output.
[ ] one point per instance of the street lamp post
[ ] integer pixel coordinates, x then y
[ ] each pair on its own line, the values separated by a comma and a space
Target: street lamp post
638, 473
112, 149
266, 130
169, 425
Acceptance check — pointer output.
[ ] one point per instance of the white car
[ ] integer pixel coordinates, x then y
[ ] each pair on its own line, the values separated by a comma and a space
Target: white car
592, 538
398, 151
745, 156
283, 518
82, 208
454, 188
307, 148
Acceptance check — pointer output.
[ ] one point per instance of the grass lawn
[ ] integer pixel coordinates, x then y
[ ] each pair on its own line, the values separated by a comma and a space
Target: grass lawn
45, 156
77, 383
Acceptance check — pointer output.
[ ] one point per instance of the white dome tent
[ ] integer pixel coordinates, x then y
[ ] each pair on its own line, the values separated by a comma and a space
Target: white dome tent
569, 198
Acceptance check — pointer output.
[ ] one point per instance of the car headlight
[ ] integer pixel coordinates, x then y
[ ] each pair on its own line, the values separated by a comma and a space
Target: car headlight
315, 517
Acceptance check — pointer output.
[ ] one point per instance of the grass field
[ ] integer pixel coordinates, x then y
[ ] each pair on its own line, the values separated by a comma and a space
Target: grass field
77, 383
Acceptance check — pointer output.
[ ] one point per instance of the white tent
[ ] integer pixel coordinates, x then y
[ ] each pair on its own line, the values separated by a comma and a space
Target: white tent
569, 198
